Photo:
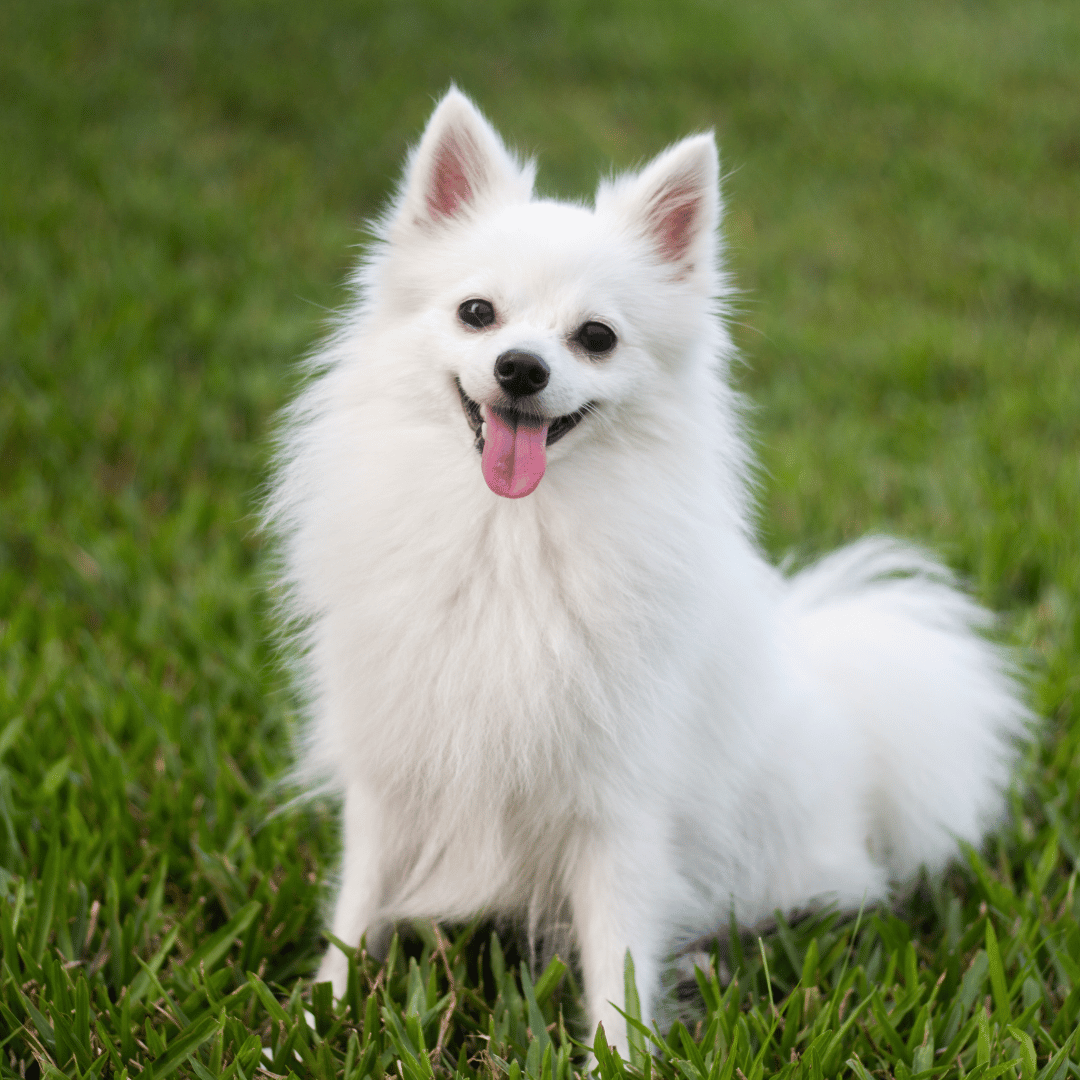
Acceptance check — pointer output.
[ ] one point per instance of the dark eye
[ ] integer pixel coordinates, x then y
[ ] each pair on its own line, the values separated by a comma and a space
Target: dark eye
595, 337
476, 313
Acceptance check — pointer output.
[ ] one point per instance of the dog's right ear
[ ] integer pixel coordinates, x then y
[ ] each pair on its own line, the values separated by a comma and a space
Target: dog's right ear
459, 166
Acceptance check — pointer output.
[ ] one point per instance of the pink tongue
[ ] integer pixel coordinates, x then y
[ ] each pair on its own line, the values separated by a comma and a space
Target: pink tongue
515, 455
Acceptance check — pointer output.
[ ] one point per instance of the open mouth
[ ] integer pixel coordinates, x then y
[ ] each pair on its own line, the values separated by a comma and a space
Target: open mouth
557, 428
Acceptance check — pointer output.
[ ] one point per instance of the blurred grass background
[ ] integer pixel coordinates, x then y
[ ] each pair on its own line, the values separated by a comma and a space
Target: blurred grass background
182, 187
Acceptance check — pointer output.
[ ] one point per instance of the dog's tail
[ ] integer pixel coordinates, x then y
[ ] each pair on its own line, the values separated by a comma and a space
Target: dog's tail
936, 706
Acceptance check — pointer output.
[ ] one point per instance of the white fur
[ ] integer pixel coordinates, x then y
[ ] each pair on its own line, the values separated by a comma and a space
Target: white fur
599, 697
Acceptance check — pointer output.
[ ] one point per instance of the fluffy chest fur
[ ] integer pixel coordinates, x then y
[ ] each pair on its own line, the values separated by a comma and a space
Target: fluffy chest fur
504, 638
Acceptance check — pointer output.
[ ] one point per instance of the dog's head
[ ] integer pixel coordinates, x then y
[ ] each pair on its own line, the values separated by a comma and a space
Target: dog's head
540, 317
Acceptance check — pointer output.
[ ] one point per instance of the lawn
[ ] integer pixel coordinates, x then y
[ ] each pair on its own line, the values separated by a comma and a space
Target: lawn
182, 189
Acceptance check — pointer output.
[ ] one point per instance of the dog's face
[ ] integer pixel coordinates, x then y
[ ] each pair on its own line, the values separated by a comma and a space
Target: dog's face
541, 318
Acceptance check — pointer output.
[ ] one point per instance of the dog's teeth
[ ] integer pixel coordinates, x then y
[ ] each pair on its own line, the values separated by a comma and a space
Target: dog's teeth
483, 429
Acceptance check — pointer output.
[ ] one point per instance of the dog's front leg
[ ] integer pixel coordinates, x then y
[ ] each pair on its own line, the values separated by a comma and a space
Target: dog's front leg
361, 883
618, 898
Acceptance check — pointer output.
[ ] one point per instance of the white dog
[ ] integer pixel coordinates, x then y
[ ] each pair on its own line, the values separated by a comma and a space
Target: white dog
548, 667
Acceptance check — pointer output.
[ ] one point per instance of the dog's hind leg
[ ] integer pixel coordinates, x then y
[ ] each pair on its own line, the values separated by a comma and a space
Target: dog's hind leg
361, 885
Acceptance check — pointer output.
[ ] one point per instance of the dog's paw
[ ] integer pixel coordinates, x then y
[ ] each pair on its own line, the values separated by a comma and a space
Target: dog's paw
334, 969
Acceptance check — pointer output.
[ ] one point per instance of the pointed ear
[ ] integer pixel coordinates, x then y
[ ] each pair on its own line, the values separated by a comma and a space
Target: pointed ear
674, 202
459, 165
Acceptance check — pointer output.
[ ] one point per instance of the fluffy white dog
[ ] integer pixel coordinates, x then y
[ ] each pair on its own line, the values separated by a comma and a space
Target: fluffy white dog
548, 667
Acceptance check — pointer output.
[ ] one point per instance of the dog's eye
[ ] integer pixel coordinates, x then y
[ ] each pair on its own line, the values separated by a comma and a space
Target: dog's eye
595, 337
476, 313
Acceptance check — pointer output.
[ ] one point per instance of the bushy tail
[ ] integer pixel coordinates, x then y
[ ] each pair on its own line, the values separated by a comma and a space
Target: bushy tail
936, 705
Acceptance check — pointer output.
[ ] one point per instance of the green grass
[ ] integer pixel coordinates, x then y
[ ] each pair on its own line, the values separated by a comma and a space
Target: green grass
180, 194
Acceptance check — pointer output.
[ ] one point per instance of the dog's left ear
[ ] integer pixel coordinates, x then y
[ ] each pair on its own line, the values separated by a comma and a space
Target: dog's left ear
459, 165
673, 203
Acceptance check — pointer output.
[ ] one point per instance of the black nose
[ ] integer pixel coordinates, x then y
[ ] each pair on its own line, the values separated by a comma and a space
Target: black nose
521, 373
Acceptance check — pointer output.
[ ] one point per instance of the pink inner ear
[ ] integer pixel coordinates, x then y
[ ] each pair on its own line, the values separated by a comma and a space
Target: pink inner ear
450, 187
674, 215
